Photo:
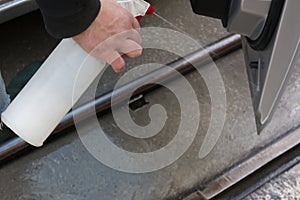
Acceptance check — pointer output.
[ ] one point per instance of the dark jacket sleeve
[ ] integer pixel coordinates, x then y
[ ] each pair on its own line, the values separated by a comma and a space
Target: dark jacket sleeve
67, 18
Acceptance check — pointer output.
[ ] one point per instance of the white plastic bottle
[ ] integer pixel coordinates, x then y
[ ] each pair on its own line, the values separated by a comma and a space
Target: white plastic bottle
50, 94
47, 97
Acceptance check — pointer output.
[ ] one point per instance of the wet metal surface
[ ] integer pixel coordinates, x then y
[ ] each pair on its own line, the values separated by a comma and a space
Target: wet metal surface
251, 165
64, 169
142, 85
285, 186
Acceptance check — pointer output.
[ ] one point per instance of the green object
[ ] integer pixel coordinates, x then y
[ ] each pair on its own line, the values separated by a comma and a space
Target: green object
14, 87
21, 79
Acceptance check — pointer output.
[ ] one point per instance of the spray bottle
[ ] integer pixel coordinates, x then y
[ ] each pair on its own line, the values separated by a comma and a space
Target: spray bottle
49, 95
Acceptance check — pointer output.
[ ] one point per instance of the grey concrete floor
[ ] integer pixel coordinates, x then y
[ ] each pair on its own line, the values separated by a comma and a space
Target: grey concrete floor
64, 169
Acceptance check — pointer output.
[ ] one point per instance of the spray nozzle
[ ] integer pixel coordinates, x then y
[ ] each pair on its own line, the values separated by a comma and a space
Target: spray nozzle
138, 8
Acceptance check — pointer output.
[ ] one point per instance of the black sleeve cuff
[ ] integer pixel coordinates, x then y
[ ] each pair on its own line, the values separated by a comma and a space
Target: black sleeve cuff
68, 18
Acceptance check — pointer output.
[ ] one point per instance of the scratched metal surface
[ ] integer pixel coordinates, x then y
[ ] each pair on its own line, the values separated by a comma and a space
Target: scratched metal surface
285, 186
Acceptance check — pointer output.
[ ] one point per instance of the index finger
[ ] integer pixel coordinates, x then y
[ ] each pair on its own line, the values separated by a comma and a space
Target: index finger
136, 24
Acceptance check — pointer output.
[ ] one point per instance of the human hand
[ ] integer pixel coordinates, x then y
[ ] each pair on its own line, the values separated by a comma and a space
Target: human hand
118, 33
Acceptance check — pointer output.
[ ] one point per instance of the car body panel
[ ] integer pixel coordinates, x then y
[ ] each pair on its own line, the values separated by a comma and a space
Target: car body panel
10, 9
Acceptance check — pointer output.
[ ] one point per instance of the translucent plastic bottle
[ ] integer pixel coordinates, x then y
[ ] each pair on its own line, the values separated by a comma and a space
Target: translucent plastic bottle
50, 94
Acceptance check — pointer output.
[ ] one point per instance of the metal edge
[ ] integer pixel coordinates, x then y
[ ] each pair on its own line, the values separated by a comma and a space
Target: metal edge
212, 52
248, 167
16, 8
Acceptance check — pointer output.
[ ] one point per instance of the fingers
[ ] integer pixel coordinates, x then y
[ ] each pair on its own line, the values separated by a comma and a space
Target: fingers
135, 24
132, 34
118, 65
113, 58
116, 61
127, 43
131, 49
